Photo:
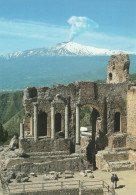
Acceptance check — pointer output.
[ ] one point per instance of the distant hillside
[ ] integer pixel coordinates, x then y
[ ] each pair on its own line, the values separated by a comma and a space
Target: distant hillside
133, 78
11, 111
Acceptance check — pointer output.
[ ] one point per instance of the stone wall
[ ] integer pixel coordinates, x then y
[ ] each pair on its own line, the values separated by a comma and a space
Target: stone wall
45, 145
131, 110
92, 192
105, 98
73, 191
131, 142
58, 163
118, 69
117, 141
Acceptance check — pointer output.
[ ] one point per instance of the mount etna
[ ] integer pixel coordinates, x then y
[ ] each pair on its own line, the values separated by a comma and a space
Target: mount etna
64, 63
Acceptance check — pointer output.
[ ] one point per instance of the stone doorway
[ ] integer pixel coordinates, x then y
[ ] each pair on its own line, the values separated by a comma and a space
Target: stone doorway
42, 124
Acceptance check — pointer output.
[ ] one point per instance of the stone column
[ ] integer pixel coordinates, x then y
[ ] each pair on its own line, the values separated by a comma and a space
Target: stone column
21, 131
77, 124
35, 121
66, 122
52, 121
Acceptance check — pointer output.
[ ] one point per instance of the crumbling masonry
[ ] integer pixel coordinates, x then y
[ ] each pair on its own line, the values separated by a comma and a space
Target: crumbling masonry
50, 132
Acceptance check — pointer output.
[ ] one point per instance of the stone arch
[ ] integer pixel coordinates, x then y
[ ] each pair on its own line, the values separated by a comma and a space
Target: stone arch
42, 124
91, 143
58, 121
97, 112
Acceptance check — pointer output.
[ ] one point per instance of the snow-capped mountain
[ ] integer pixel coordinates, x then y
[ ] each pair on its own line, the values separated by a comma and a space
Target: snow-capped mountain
41, 67
67, 49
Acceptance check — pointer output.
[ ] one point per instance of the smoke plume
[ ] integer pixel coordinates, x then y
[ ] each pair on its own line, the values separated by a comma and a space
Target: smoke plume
79, 25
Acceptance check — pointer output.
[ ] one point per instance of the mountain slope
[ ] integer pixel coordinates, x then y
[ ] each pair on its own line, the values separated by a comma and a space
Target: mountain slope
66, 49
11, 111
64, 63
13, 124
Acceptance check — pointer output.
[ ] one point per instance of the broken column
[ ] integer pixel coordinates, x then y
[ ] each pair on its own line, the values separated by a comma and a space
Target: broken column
21, 131
77, 124
52, 121
35, 121
66, 122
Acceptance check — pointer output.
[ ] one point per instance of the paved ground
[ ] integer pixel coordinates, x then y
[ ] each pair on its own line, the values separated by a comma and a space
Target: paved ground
126, 184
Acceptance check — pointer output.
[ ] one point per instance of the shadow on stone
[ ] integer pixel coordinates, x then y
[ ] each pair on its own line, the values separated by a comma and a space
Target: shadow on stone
120, 186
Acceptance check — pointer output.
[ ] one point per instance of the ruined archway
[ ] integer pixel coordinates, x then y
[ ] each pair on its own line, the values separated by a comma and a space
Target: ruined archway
42, 124
90, 126
58, 122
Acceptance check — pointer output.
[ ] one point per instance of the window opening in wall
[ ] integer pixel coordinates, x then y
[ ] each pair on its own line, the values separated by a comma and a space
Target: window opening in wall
117, 122
42, 124
57, 122
110, 76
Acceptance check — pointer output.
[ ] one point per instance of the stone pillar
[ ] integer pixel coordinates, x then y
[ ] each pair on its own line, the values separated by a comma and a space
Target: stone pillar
52, 121
35, 121
49, 125
77, 124
21, 131
66, 122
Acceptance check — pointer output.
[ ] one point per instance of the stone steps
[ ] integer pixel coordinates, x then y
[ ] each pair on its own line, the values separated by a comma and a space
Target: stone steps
114, 160
123, 149
120, 165
39, 165
116, 156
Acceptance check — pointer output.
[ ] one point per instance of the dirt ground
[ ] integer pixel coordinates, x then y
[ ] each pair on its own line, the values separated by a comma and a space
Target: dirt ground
126, 183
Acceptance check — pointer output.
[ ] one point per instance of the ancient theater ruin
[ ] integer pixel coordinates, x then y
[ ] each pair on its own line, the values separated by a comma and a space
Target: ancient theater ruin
50, 134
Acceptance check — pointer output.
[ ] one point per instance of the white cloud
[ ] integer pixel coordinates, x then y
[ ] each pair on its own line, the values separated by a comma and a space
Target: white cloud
31, 29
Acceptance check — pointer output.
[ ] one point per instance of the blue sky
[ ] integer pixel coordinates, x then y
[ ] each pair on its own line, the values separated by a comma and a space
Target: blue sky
29, 24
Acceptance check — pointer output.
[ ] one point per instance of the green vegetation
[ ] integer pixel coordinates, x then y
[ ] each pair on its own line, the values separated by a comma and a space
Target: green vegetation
11, 114
133, 78
3, 134
85, 116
